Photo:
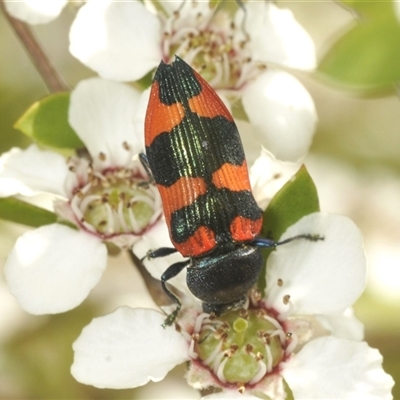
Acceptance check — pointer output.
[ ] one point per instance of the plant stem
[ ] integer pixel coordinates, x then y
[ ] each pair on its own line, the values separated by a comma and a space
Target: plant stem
52, 79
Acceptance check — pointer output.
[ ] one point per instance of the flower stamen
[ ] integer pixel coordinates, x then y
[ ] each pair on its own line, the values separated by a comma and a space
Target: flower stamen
214, 354
292, 342
240, 347
210, 42
263, 369
113, 201
220, 369
273, 321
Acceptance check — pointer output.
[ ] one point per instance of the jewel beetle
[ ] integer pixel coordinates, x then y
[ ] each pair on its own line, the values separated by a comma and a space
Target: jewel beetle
196, 158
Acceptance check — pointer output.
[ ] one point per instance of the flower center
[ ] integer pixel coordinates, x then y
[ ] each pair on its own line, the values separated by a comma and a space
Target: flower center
115, 201
241, 347
212, 43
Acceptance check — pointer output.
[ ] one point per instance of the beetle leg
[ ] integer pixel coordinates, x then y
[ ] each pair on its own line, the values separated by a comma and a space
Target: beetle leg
145, 162
160, 252
171, 272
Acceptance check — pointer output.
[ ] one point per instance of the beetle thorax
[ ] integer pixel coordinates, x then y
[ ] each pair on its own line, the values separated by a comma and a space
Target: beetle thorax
222, 280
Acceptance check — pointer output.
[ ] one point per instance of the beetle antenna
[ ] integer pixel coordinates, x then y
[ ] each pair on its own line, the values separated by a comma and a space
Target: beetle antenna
263, 242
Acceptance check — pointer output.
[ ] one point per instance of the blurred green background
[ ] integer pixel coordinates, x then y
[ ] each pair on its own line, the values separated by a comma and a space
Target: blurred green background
354, 160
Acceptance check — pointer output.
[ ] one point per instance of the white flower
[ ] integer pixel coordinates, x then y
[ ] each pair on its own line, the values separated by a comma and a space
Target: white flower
53, 268
238, 57
252, 350
268, 175
35, 11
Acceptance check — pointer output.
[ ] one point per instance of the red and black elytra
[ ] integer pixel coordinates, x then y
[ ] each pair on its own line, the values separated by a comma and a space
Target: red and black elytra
196, 158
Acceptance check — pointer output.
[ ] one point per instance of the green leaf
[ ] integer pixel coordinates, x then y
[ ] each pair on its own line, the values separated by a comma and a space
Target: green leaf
366, 58
297, 198
289, 393
14, 210
371, 9
46, 122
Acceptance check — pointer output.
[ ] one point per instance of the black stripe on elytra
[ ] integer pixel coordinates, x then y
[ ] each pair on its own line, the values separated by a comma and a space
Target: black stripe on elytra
197, 147
216, 209
176, 81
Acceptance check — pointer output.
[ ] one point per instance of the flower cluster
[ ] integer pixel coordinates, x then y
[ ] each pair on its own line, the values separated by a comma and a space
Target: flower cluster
241, 55
99, 193
127, 40
301, 331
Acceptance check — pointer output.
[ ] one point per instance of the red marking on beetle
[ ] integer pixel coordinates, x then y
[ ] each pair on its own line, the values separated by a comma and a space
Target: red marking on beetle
200, 242
232, 177
244, 229
160, 117
208, 103
181, 194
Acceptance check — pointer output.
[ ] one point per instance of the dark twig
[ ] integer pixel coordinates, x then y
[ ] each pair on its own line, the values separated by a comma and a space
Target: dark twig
50, 76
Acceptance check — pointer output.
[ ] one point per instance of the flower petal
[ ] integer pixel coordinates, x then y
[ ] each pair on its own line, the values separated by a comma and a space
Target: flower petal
331, 368
32, 171
102, 112
140, 115
123, 42
268, 175
53, 268
230, 394
35, 11
126, 349
186, 9
282, 112
251, 140
276, 36
344, 326
323, 277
